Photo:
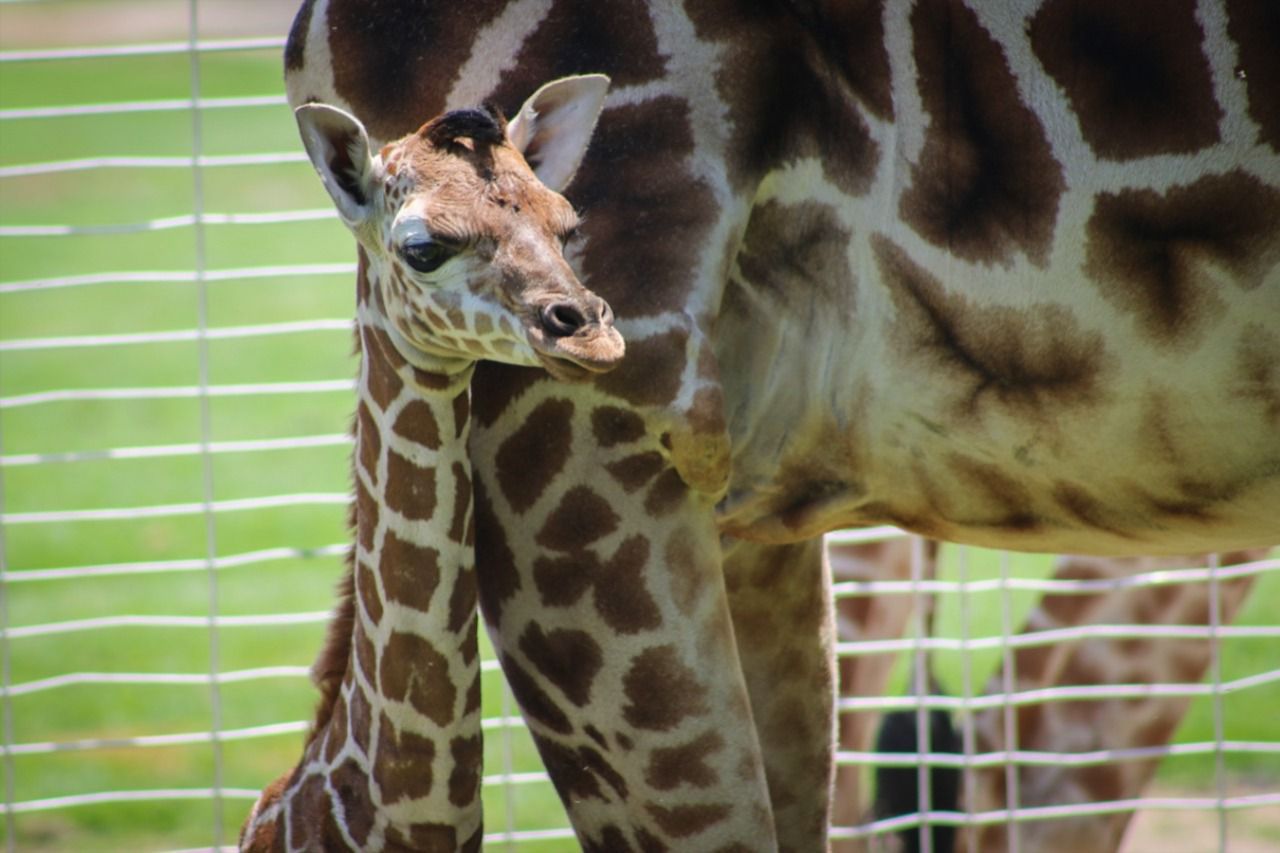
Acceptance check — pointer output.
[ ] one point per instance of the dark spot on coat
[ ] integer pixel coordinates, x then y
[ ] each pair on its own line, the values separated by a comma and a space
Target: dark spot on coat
581, 518
368, 441
621, 597
411, 670
792, 85
535, 702
651, 372
1155, 254
410, 573
531, 457
578, 37
402, 765
1035, 362
1136, 89
986, 184
395, 60
661, 690
461, 504
410, 489
468, 762
417, 423
798, 252
495, 387
647, 215
632, 472
683, 821
296, 46
612, 426
1254, 25
569, 659
497, 574
671, 767
428, 838
351, 784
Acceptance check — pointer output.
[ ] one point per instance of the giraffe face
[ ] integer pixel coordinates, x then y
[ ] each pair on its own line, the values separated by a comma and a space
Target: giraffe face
464, 240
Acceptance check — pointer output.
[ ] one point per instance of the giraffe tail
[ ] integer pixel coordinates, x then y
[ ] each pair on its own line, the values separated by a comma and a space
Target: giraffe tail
898, 788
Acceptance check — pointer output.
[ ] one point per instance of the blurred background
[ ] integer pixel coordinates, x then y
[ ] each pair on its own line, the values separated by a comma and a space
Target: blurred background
175, 388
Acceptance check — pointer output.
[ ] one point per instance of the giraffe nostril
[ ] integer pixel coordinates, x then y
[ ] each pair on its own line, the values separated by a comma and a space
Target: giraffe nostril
562, 319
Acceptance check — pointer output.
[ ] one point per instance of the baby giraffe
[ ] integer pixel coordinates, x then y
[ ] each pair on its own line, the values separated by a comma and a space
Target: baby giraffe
461, 231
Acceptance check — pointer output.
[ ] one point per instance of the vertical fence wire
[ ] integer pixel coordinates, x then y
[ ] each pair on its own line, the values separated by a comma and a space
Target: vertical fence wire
1215, 682
1010, 717
206, 421
6, 676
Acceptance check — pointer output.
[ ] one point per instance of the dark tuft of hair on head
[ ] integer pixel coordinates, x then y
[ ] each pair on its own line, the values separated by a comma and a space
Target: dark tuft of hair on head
482, 125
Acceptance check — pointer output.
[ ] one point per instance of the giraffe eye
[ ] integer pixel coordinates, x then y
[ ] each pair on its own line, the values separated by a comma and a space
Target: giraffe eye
426, 255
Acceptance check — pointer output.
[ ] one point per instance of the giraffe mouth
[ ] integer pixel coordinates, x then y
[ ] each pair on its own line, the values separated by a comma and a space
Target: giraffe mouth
573, 344
582, 356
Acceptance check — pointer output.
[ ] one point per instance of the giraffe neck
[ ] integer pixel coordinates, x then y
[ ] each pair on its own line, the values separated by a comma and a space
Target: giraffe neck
394, 761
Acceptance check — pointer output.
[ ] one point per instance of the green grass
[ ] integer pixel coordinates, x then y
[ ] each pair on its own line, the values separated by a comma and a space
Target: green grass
119, 196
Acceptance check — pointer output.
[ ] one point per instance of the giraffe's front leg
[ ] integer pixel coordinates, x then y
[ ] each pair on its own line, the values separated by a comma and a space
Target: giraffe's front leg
600, 579
781, 604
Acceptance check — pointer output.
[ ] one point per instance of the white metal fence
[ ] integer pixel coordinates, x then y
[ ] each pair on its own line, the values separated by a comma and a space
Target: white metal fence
146, 499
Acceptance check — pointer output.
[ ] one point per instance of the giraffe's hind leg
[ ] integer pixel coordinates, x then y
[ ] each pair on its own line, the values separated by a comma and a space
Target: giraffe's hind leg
780, 600
1100, 724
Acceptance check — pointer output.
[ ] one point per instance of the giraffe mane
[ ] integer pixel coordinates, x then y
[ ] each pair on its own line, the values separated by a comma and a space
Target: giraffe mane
484, 124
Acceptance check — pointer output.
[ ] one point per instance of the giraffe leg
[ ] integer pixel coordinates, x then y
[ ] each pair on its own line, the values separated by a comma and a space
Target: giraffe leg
780, 600
607, 606
1080, 726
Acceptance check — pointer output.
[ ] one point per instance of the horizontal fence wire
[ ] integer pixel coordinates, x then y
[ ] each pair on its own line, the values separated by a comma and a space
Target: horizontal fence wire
38, 234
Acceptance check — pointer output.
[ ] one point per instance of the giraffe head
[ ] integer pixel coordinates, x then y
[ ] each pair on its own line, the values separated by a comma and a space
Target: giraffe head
463, 230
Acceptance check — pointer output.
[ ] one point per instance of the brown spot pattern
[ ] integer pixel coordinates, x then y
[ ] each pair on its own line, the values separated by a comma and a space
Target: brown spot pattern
671, 767
1136, 89
352, 787
534, 701
410, 489
410, 573
464, 779
1040, 364
786, 79
581, 518
370, 442
461, 503
569, 659
650, 373
366, 512
987, 184
620, 596
533, 455
683, 821
794, 249
661, 691
574, 37
394, 60
497, 574
642, 203
417, 423
1151, 254
296, 46
612, 426
632, 472
427, 838
367, 589
1258, 371
413, 671
1254, 25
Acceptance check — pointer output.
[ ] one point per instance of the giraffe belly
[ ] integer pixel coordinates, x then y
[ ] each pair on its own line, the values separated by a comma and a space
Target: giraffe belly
843, 427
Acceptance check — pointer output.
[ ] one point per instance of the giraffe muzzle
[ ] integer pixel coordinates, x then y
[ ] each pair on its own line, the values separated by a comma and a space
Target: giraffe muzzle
578, 338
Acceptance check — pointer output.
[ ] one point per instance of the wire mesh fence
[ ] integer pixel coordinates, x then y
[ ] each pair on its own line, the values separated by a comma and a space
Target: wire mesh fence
175, 375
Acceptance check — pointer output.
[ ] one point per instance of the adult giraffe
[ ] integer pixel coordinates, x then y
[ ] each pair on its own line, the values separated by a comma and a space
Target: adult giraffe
998, 273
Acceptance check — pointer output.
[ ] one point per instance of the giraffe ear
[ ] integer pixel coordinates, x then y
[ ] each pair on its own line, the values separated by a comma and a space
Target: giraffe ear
554, 126
338, 147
